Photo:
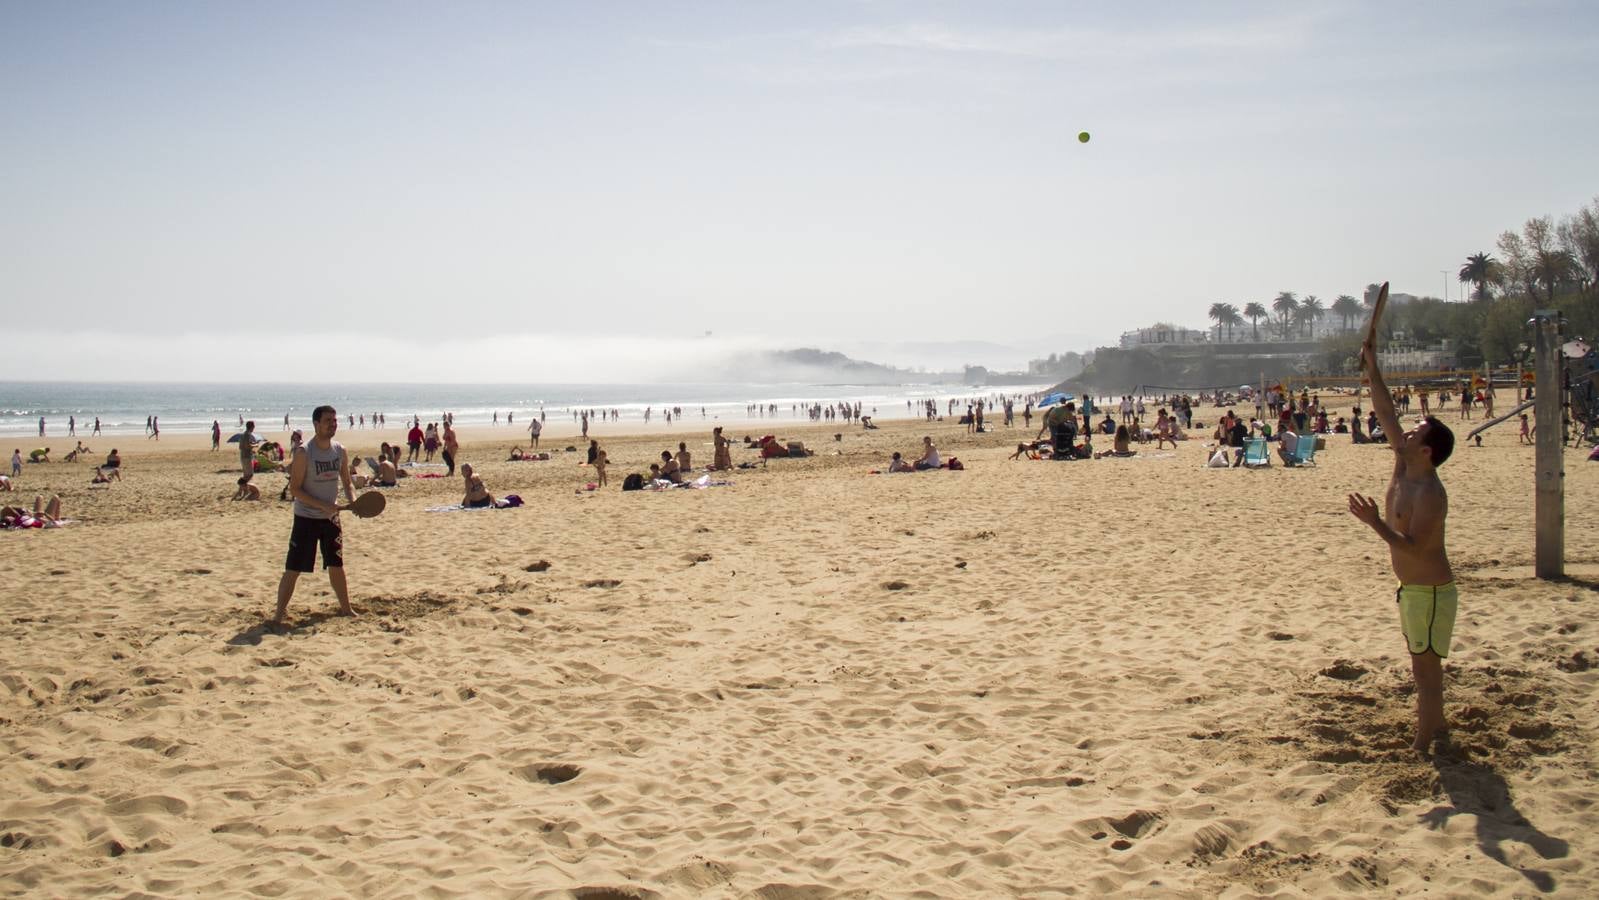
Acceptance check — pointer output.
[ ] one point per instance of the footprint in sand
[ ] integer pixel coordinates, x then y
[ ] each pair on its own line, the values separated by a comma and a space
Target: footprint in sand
197, 571
895, 585
1344, 670
1579, 662
540, 566
548, 773
613, 893
602, 583
1528, 731
17, 840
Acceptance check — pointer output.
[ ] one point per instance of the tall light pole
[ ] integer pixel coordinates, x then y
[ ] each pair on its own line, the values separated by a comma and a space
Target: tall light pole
1445, 274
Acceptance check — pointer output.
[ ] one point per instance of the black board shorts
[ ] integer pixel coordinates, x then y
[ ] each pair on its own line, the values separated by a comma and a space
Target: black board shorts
308, 533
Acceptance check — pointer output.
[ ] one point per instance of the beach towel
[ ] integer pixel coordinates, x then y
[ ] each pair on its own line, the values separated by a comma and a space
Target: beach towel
30, 522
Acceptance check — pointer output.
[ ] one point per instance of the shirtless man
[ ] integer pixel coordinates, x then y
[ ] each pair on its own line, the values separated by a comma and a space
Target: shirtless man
1414, 531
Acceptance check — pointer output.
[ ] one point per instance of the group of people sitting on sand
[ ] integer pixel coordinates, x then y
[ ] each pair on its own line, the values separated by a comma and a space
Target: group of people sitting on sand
927, 461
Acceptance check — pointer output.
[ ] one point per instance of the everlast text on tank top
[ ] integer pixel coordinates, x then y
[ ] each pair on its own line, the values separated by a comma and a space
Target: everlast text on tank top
321, 477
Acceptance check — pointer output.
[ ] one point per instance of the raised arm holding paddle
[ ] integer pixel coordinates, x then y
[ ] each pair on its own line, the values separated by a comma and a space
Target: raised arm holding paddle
1417, 505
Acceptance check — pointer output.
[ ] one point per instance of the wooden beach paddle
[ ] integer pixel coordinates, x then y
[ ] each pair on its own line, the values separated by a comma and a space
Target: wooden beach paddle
368, 504
1376, 314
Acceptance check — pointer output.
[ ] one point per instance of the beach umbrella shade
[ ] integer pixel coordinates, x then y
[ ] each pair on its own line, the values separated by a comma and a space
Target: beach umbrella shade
1052, 399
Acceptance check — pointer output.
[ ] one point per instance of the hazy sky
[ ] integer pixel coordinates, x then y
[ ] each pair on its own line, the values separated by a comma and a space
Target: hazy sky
530, 175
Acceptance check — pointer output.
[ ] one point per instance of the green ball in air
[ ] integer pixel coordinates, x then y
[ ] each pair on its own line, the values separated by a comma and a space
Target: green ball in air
1082, 137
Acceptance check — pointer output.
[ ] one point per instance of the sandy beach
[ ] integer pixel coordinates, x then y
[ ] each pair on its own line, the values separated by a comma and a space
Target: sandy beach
1028, 678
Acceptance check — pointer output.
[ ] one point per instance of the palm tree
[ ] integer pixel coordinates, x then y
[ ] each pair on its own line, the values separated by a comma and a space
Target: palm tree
1554, 268
1480, 268
1346, 308
1285, 305
1255, 312
1218, 311
1230, 317
1369, 299
1311, 311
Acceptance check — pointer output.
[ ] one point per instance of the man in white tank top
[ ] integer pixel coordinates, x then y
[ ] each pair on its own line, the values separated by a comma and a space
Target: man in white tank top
314, 479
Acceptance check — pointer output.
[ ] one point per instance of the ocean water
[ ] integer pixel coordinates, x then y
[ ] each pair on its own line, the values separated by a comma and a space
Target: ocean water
189, 408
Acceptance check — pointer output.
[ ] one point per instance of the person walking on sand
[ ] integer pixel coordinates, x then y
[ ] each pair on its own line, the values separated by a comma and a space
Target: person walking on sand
96, 425
314, 480
450, 447
413, 441
534, 429
1417, 506
216, 435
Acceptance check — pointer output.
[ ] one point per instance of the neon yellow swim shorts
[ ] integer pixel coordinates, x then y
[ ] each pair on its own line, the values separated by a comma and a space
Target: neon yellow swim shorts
1427, 616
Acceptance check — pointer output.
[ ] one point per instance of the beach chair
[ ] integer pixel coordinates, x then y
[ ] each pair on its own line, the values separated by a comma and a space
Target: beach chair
1257, 454
1304, 452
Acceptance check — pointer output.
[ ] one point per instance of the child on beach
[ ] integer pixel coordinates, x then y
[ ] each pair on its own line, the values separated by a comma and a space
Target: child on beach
1526, 435
600, 462
246, 491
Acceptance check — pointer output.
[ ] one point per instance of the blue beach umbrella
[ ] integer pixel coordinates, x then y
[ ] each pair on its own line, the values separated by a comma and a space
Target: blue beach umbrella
1052, 399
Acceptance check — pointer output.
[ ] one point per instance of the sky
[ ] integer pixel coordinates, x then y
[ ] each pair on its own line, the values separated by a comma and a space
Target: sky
333, 187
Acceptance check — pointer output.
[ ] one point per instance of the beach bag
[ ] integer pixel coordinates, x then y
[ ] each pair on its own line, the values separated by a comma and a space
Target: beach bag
633, 482
956, 465
1218, 460
513, 500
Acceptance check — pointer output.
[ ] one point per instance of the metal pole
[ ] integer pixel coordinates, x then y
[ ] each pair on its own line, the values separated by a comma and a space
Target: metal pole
1551, 495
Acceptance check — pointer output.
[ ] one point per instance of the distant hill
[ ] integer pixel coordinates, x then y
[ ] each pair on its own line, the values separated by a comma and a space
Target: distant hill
816, 366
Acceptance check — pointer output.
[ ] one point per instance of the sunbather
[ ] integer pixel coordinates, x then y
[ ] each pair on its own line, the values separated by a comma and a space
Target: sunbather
44, 515
476, 494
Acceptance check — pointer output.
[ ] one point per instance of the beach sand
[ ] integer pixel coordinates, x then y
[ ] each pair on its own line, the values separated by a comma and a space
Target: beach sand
1027, 678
